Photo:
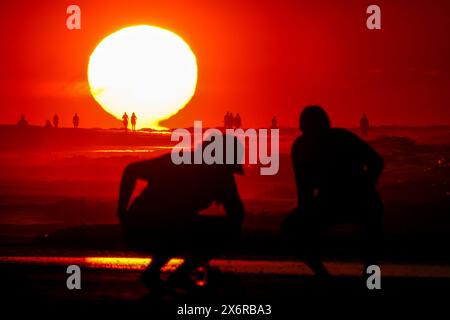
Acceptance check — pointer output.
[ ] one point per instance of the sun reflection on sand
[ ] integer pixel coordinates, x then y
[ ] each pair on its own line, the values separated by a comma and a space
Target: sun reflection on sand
235, 266
134, 150
121, 263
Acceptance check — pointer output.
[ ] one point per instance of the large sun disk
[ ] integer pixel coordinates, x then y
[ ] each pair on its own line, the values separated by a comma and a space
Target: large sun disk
143, 69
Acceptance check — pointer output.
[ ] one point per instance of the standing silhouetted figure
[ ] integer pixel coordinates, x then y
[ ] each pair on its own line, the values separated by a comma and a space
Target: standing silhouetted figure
133, 122
226, 118
336, 174
76, 120
237, 121
125, 121
22, 122
164, 221
55, 121
274, 123
364, 125
231, 120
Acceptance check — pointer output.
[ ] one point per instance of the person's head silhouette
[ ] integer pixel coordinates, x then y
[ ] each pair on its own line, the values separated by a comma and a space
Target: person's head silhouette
314, 121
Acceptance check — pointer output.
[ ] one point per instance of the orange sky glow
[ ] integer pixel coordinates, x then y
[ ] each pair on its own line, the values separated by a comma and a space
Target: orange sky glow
260, 59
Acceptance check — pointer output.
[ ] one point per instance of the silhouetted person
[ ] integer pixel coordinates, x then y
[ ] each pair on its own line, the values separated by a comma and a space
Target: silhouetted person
125, 121
76, 120
55, 121
237, 121
48, 124
225, 120
274, 123
164, 221
364, 125
22, 122
230, 120
133, 122
336, 174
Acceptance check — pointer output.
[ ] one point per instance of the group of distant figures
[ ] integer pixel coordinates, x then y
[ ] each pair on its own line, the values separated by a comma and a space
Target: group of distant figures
125, 121
230, 122
53, 124
235, 122
335, 171
76, 121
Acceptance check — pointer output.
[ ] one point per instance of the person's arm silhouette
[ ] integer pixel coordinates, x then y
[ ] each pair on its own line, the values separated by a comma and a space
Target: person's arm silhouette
232, 204
133, 172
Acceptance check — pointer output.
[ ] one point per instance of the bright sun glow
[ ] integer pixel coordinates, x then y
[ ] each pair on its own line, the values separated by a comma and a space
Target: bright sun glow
143, 69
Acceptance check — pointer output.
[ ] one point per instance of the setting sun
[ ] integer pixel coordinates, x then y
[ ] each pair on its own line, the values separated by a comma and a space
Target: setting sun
143, 69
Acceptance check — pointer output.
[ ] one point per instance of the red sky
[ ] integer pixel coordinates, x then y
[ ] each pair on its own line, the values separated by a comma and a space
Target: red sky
259, 58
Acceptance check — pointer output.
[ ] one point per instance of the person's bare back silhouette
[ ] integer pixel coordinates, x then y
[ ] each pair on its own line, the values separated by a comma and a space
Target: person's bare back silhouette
163, 220
336, 174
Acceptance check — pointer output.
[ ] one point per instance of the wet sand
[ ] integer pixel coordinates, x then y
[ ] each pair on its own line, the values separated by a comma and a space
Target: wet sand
117, 279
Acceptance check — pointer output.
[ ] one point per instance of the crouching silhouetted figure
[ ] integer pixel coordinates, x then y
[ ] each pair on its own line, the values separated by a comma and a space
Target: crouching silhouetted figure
164, 219
336, 174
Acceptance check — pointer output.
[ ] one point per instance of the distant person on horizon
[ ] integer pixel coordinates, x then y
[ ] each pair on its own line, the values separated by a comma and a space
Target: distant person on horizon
237, 121
230, 121
125, 121
48, 124
225, 120
76, 120
274, 123
55, 121
164, 219
22, 122
364, 125
133, 121
336, 174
